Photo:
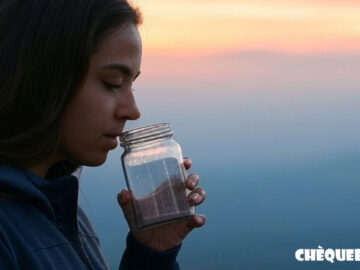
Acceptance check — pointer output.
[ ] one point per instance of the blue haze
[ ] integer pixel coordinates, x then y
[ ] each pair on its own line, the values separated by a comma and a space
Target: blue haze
275, 140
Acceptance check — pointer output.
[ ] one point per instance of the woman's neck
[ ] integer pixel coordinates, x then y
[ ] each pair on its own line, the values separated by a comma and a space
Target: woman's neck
41, 168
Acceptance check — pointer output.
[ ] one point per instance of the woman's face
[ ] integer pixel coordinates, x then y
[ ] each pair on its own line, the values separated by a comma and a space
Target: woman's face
97, 114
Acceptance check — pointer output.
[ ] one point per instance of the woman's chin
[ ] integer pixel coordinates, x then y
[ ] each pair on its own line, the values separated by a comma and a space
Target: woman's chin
94, 161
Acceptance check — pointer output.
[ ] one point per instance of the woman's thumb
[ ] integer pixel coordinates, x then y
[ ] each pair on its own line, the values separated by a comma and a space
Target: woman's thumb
124, 200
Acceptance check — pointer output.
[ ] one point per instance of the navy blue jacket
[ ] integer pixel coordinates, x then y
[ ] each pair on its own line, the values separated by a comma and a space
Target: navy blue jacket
43, 228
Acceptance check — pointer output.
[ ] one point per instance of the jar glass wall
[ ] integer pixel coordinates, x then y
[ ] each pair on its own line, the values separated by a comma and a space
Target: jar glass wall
155, 175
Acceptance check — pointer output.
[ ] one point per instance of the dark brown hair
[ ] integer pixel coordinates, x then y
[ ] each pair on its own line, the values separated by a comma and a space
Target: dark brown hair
45, 51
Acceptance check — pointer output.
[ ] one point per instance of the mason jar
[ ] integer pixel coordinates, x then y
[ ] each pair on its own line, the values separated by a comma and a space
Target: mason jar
155, 175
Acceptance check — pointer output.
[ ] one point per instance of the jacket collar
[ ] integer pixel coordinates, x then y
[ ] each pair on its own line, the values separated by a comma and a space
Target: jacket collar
55, 198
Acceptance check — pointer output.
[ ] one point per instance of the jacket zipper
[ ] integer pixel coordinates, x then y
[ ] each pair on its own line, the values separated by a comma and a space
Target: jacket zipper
87, 261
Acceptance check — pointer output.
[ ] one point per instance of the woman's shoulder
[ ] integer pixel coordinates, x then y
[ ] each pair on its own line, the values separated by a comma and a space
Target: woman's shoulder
22, 221
28, 237
24, 229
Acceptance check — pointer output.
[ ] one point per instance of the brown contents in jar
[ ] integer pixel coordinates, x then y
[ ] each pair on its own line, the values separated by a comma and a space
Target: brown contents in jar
167, 202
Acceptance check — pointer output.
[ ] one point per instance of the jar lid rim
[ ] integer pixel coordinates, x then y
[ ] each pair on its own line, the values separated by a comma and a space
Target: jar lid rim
145, 133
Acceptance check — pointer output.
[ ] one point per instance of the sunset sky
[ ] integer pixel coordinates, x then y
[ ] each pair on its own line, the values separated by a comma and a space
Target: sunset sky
208, 26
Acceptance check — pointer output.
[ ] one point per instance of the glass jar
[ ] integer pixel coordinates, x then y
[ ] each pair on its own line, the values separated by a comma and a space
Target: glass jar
155, 175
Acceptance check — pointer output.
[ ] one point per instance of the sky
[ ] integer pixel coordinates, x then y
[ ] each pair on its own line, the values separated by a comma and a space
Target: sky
213, 26
271, 62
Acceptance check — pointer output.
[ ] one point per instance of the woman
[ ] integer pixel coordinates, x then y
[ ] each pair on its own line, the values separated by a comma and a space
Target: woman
66, 74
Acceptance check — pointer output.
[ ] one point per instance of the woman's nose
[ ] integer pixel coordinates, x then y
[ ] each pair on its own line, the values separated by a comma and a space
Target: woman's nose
127, 107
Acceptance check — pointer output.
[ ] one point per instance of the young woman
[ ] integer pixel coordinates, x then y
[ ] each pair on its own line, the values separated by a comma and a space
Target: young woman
66, 74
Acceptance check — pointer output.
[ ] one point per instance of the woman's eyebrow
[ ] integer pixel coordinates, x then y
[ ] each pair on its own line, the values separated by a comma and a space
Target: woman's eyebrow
122, 68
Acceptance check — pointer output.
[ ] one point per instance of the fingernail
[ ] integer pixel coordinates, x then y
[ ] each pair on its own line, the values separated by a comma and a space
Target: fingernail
195, 198
192, 184
199, 220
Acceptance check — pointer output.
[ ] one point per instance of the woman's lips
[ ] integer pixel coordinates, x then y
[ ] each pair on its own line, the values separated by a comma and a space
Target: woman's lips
111, 140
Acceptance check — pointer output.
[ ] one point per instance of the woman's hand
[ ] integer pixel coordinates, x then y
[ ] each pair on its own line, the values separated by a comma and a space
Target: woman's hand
169, 235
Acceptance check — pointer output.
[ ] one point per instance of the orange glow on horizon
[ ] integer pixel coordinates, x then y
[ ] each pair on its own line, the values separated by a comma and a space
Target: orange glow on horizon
208, 26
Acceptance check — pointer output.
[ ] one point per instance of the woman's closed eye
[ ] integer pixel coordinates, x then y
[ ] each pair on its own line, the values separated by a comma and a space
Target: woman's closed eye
111, 86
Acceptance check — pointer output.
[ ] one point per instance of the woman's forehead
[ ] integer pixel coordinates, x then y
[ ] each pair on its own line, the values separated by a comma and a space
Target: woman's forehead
120, 50
125, 37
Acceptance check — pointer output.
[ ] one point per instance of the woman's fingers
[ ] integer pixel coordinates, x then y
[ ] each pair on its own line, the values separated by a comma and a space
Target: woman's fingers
197, 196
187, 163
192, 181
196, 222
